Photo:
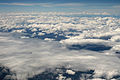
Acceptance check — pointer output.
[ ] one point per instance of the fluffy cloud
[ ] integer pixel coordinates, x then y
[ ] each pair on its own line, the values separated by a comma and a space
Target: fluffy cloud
25, 55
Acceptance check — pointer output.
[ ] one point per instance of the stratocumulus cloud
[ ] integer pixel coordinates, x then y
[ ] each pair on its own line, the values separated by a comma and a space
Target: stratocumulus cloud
30, 43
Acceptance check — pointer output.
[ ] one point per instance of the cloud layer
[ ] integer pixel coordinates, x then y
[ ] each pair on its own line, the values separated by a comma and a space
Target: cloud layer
30, 43
46, 4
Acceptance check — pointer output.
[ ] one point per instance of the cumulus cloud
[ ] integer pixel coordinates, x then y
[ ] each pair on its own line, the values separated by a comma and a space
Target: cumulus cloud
24, 54
33, 56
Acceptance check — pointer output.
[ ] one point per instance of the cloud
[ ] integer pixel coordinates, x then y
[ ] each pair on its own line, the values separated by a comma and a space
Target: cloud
25, 4
70, 4
45, 4
117, 6
19, 4
32, 56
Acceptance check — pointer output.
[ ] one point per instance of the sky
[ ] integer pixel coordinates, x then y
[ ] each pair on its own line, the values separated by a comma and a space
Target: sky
94, 6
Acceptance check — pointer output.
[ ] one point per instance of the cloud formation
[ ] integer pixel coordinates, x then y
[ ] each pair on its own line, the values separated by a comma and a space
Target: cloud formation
24, 54
117, 6
45, 4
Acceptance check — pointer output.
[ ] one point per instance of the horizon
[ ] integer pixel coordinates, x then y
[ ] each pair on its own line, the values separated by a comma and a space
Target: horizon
108, 6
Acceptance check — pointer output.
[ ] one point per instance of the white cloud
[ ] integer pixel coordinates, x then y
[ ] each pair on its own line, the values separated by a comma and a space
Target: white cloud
70, 72
19, 4
117, 6
27, 4
70, 4
32, 56
45, 4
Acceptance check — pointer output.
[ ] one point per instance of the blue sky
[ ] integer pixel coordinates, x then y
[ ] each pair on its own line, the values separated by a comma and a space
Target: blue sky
110, 6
